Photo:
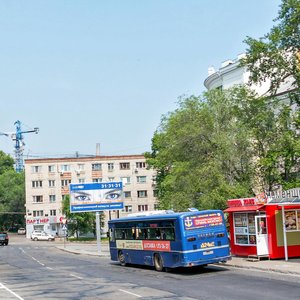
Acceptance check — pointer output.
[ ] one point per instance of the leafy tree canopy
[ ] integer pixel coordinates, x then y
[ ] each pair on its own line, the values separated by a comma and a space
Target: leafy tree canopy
12, 199
78, 222
276, 56
223, 145
201, 153
6, 162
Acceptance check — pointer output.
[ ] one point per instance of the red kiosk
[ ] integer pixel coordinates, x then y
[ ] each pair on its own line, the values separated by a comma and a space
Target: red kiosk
265, 227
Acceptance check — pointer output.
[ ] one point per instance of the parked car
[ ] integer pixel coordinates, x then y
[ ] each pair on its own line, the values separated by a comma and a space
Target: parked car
4, 238
21, 231
41, 236
37, 231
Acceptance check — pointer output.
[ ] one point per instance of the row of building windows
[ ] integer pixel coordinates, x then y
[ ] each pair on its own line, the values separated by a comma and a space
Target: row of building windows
40, 213
80, 167
53, 212
142, 207
145, 207
65, 182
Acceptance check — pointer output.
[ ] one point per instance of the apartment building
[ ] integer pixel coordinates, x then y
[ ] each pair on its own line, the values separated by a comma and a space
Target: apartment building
47, 183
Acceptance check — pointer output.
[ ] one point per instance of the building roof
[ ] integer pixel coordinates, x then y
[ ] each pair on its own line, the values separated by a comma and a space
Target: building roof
285, 200
85, 158
244, 208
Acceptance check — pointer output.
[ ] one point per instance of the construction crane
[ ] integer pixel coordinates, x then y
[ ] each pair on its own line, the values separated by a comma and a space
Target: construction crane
19, 145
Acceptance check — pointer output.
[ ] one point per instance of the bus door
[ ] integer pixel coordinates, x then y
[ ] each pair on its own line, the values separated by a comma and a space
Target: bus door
261, 235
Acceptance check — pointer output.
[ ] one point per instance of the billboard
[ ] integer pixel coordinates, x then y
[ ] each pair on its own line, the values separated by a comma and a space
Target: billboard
92, 197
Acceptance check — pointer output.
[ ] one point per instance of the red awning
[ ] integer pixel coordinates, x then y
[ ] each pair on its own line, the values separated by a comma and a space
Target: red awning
244, 208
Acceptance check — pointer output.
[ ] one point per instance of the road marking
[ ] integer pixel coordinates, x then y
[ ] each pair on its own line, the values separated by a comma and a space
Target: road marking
138, 296
76, 276
22, 250
10, 291
49, 268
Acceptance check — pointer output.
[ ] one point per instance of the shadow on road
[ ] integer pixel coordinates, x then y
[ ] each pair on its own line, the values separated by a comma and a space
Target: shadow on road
180, 271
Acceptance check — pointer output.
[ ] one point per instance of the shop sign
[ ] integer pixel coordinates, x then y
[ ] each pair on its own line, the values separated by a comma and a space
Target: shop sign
37, 221
258, 199
241, 202
291, 193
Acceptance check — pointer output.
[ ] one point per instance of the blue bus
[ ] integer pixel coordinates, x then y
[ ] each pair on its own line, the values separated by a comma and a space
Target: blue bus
169, 240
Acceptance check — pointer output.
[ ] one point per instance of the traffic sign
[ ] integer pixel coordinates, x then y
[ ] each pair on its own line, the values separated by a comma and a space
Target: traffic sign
63, 220
64, 227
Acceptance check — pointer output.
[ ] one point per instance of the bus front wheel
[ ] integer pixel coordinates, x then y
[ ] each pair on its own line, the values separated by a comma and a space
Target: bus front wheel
121, 258
158, 263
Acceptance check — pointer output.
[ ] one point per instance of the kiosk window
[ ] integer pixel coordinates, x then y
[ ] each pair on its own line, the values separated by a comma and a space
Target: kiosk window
244, 228
292, 220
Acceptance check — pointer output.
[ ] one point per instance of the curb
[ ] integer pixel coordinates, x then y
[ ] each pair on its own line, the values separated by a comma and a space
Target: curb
102, 254
269, 270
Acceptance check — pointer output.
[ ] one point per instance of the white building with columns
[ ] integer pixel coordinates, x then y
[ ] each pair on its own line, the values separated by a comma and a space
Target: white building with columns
231, 73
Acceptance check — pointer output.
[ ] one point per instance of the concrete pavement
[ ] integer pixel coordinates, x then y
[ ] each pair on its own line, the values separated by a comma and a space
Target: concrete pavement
292, 266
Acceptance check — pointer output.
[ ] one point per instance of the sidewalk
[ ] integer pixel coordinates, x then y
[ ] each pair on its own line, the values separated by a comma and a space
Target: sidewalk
292, 266
85, 248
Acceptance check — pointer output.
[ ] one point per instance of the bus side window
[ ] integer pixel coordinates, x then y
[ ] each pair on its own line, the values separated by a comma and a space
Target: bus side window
145, 233
133, 234
169, 234
152, 234
157, 234
142, 233
119, 234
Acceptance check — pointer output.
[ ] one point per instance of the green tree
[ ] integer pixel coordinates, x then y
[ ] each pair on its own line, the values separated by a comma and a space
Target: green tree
274, 133
78, 222
12, 199
276, 56
6, 162
202, 152
223, 145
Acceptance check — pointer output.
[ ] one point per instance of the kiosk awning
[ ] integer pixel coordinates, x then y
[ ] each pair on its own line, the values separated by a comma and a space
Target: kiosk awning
244, 208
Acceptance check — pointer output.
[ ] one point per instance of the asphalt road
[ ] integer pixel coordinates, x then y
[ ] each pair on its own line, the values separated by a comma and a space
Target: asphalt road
38, 270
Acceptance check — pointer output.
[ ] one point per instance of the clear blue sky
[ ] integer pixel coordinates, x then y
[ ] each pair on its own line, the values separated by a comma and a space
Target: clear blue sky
90, 71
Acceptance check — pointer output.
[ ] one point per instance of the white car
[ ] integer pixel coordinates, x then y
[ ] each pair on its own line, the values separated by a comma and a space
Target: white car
21, 231
42, 236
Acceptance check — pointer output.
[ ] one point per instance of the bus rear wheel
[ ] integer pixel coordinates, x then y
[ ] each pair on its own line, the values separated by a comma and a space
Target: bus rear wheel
158, 263
121, 258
